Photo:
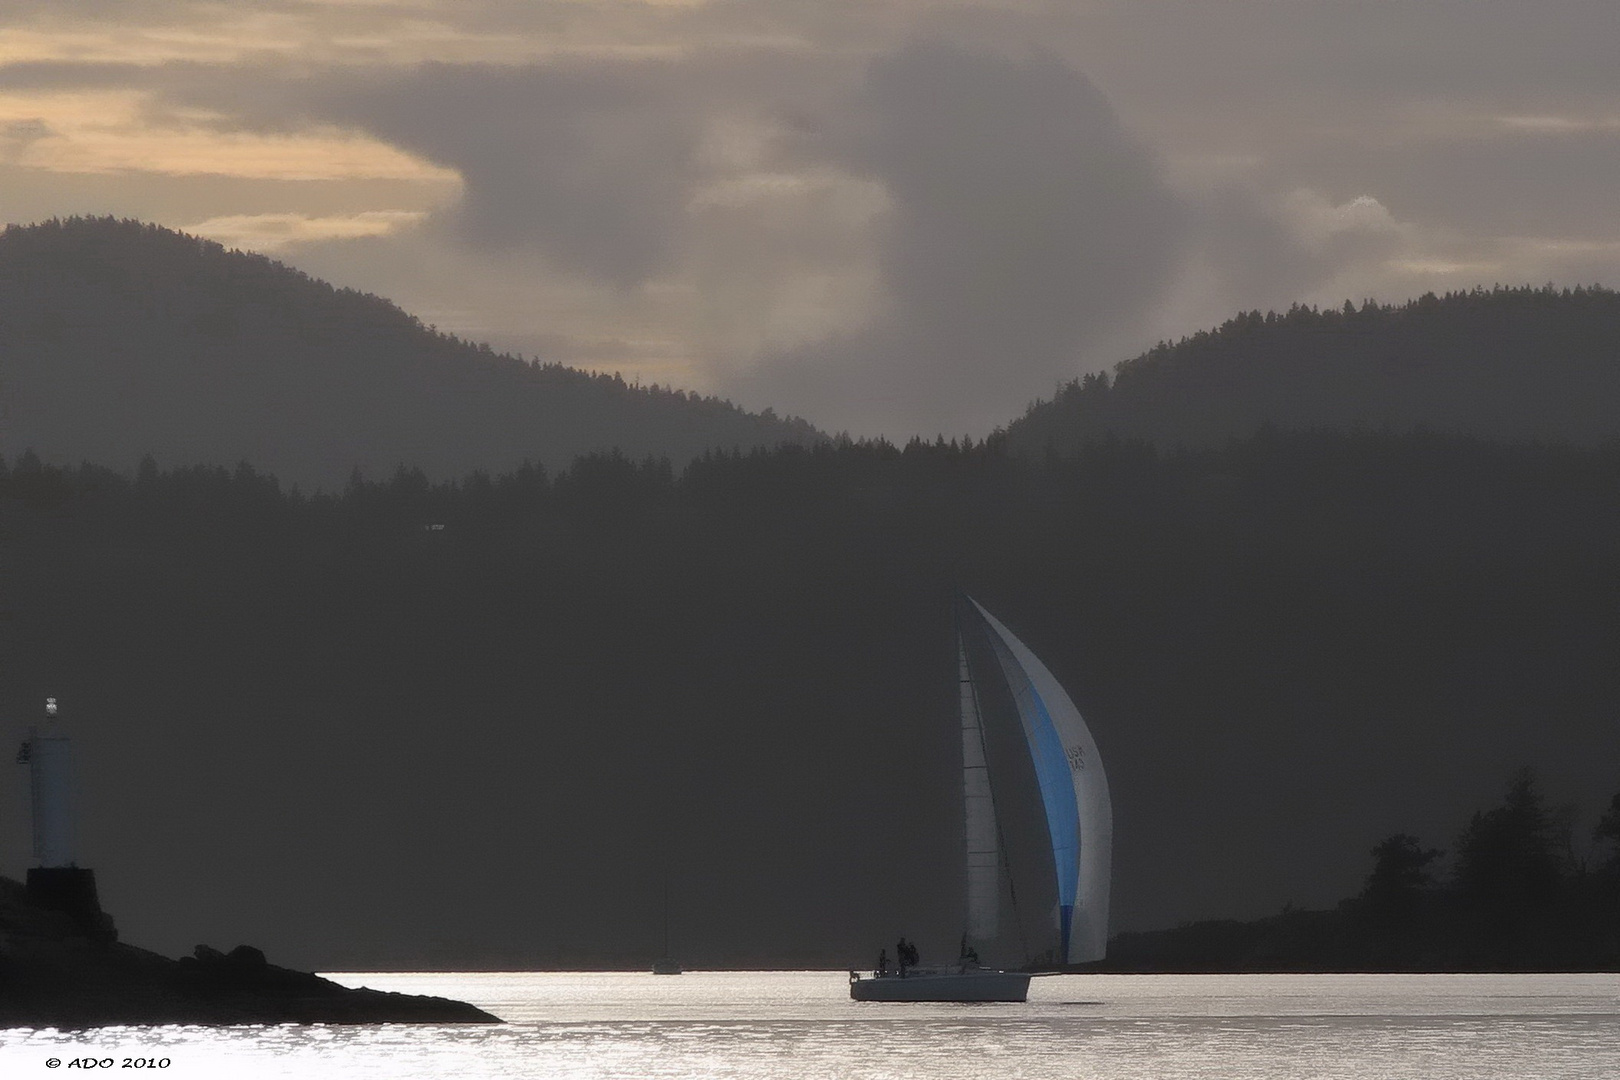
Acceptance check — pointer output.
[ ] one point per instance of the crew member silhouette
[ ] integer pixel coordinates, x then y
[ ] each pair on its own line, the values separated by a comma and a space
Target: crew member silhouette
905, 954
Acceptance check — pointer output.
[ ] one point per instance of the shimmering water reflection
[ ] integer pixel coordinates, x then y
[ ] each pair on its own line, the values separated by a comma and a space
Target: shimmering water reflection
802, 1024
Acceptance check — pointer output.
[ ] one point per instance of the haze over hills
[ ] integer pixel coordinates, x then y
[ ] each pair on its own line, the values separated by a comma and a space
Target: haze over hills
119, 339
1515, 364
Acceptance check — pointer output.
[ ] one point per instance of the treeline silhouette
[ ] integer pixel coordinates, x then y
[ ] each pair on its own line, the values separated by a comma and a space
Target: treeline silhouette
1522, 893
1501, 363
481, 723
119, 339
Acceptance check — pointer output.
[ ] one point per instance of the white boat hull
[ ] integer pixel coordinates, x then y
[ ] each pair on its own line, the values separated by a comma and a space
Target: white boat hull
929, 985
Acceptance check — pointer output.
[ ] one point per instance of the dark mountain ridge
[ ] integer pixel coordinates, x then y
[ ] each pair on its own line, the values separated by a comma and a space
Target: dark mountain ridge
120, 339
1515, 364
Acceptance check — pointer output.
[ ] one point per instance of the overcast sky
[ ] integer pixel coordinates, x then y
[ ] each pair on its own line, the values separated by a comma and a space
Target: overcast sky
888, 216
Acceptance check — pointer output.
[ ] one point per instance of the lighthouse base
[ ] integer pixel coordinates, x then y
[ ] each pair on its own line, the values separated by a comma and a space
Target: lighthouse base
72, 891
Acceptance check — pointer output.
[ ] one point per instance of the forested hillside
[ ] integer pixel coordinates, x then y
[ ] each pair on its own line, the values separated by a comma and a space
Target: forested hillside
1519, 890
333, 728
1518, 364
119, 339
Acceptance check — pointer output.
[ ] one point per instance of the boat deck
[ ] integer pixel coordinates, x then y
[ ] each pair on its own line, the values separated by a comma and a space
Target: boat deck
940, 984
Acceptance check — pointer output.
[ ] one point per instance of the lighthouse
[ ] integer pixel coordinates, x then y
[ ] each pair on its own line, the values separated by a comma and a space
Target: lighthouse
48, 754
56, 880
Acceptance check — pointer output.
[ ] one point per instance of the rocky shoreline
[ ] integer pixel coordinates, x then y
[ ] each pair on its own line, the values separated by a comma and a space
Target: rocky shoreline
54, 972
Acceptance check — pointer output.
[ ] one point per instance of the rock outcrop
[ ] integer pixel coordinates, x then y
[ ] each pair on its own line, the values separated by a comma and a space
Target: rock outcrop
53, 973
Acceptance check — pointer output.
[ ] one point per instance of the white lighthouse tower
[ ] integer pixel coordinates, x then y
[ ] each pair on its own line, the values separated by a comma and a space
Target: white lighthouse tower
56, 880
49, 755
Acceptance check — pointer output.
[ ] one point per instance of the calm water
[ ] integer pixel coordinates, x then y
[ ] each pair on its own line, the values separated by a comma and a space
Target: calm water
803, 1025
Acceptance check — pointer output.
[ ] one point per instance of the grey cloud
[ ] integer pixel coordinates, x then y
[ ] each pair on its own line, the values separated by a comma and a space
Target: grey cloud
73, 75
1243, 63
1026, 225
118, 12
1256, 260
1254, 249
18, 135
1501, 182
589, 164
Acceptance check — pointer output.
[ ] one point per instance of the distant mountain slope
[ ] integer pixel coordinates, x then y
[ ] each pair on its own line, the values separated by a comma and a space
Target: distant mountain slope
1515, 364
119, 339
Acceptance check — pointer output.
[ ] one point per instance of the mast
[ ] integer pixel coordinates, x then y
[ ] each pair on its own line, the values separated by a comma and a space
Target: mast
979, 832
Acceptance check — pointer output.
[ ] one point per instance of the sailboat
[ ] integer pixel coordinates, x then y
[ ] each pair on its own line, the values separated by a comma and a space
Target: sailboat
1079, 824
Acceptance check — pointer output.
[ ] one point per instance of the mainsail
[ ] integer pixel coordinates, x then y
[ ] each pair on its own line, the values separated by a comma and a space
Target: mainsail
1074, 792
983, 861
